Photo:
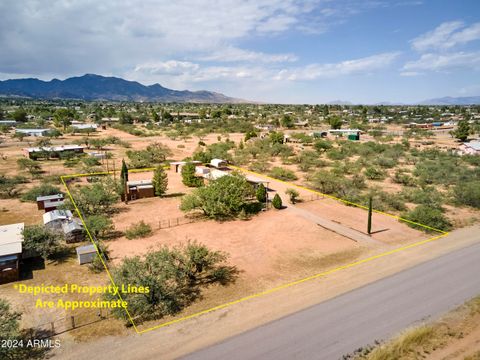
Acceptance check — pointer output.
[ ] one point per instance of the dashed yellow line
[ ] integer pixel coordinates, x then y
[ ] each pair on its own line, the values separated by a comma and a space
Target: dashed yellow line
269, 291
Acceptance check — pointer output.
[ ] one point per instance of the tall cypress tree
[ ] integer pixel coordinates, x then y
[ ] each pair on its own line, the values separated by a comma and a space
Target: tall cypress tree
160, 181
124, 177
369, 224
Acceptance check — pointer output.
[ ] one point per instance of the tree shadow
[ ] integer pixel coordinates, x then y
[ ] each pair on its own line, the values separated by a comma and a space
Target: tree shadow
28, 266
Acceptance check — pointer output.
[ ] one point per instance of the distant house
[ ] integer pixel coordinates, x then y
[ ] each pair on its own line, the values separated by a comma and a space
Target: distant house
49, 202
32, 132
177, 165
51, 151
73, 230
139, 189
470, 148
218, 163
84, 127
54, 219
9, 123
352, 134
86, 254
11, 239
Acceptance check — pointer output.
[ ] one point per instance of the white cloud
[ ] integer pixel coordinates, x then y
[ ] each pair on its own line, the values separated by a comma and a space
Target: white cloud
410, 73
233, 54
356, 66
446, 36
445, 62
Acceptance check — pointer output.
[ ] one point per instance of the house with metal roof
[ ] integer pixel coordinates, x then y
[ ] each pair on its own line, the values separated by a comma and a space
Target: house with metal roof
55, 218
73, 230
33, 132
51, 151
470, 148
11, 239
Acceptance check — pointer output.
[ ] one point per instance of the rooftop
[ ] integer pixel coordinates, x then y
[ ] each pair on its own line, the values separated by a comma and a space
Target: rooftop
11, 239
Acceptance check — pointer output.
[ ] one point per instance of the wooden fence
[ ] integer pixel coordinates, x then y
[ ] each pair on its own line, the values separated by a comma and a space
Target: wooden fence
168, 223
68, 323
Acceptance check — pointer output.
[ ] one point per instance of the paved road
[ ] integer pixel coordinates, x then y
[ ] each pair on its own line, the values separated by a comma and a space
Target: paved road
376, 311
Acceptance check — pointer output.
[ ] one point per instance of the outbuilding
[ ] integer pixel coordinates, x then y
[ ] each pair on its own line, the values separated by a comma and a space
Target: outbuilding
86, 254
140, 189
32, 132
55, 218
73, 231
11, 239
49, 202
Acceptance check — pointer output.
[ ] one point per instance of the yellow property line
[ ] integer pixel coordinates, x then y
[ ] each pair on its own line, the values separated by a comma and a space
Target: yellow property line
269, 291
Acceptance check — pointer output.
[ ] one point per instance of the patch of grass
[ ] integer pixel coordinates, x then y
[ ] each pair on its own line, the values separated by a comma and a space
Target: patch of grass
405, 345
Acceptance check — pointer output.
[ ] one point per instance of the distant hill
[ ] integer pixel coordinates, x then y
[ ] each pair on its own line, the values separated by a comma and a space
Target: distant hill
448, 100
96, 87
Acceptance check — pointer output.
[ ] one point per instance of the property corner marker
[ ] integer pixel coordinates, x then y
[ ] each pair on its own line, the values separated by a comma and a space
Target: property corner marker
266, 292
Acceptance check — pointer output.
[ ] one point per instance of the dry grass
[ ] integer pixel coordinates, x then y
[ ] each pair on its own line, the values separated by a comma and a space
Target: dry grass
405, 346
427, 341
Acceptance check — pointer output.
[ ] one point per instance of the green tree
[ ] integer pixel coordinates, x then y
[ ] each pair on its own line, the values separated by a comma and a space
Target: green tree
99, 225
98, 198
369, 222
261, 193
40, 190
160, 181
462, 131
19, 115
467, 193
175, 278
286, 121
42, 241
30, 165
63, 117
293, 195
221, 198
158, 152
125, 118
334, 121
277, 202
188, 176
123, 177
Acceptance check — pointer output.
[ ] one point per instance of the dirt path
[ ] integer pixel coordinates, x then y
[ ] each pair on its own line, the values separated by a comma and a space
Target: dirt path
190, 335
334, 226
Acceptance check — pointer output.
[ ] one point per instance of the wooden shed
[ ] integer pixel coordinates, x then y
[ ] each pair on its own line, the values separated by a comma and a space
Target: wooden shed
49, 202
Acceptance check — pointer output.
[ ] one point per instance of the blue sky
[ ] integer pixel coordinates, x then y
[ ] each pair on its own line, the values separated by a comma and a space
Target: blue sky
284, 51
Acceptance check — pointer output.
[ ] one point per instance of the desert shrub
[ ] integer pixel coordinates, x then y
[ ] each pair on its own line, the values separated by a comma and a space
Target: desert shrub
9, 186
277, 202
374, 173
386, 162
467, 193
283, 174
40, 190
427, 195
425, 215
322, 145
139, 230
99, 225
292, 194
309, 159
400, 177
326, 182
97, 198
175, 278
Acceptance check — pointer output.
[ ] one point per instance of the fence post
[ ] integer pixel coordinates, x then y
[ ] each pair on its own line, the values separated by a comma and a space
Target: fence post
73, 321
53, 327
177, 221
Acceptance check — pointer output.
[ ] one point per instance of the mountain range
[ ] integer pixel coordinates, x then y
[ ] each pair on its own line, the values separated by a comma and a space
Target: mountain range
96, 87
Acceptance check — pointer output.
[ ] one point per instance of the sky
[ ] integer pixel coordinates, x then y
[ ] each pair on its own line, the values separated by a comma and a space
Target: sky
280, 51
